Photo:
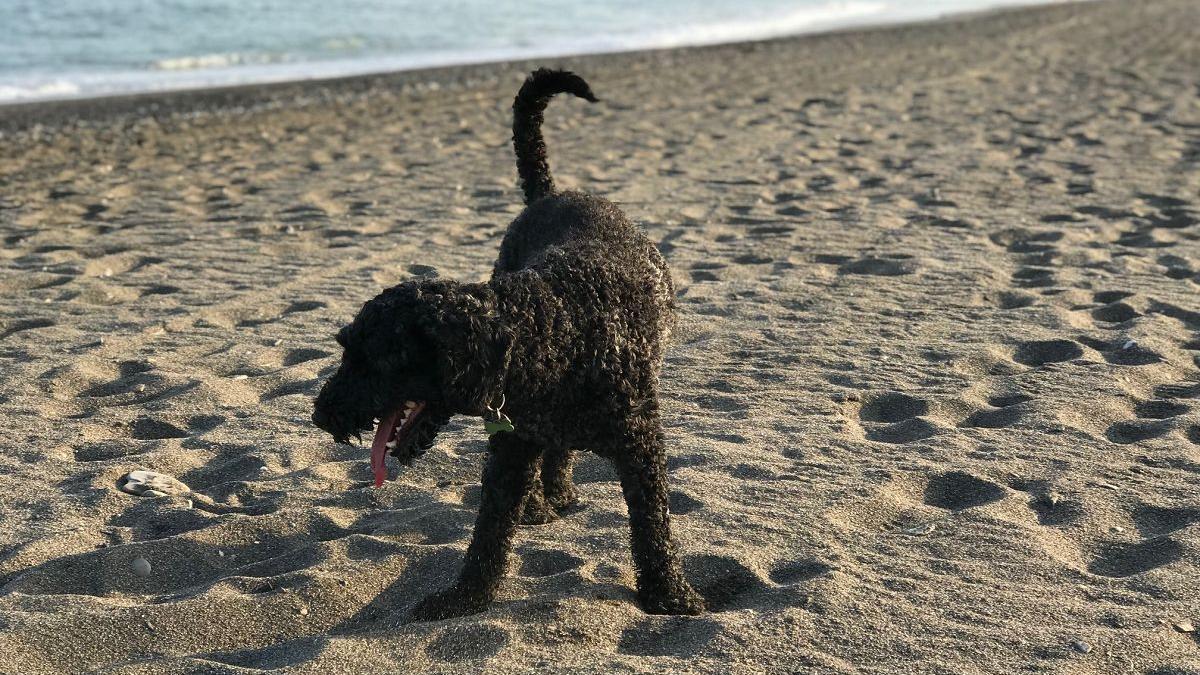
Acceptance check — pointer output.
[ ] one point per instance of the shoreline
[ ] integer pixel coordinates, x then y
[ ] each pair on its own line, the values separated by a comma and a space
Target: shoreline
53, 114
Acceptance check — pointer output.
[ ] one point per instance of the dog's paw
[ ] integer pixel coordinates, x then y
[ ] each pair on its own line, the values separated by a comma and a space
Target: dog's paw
562, 500
675, 598
448, 604
537, 513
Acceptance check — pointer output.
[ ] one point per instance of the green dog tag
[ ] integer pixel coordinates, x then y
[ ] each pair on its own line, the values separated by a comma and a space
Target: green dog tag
495, 421
502, 424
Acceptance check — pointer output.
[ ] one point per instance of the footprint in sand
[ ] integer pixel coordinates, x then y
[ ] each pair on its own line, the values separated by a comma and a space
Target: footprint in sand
1014, 300
1176, 267
1114, 309
1156, 418
1034, 277
302, 213
724, 582
1054, 510
1190, 389
266, 315
160, 289
1123, 352
895, 417
676, 636
1041, 352
883, 267
22, 325
1156, 521
1006, 411
706, 271
152, 429
1173, 213
958, 491
798, 572
298, 356
537, 563
1020, 240
1124, 560
468, 643
1116, 312
682, 503
926, 220
893, 407
1187, 317
1144, 238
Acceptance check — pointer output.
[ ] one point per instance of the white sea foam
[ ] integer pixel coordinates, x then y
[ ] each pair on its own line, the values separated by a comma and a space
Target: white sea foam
37, 90
225, 60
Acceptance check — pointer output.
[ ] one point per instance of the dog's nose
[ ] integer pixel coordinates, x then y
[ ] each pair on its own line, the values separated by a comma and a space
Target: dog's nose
320, 419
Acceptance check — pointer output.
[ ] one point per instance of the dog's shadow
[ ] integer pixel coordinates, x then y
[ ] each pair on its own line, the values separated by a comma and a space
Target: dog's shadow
424, 573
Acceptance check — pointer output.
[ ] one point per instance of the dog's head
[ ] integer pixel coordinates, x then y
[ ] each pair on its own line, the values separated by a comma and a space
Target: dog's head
415, 355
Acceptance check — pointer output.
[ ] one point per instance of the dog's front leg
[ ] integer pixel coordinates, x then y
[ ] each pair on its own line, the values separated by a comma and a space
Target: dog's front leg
509, 473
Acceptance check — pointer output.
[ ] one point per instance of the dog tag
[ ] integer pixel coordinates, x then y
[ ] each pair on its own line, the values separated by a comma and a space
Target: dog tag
493, 428
498, 423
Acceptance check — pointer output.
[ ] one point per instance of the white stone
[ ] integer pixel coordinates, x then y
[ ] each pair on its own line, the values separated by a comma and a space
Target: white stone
152, 484
141, 567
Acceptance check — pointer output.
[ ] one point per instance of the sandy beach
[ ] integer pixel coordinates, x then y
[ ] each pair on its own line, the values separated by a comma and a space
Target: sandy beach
933, 404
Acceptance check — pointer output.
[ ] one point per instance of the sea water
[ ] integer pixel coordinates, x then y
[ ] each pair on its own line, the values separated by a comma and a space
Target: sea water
52, 49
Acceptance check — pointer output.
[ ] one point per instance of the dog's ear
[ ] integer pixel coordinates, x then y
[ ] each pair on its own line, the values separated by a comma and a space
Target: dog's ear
472, 345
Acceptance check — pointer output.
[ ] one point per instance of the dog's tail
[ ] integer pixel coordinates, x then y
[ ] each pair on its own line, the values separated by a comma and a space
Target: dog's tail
527, 126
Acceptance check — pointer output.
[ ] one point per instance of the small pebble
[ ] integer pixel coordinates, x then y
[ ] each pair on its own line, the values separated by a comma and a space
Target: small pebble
1081, 646
1185, 627
140, 388
141, 567
303, 611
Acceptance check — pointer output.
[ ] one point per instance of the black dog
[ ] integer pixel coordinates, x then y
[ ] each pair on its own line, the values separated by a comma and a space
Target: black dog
560, 350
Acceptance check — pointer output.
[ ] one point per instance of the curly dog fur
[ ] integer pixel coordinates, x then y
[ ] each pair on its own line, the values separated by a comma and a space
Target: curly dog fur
569, 333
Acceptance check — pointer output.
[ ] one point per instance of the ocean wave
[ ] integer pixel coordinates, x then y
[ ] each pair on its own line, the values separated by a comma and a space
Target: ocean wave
760, 28
209, 61
39, 90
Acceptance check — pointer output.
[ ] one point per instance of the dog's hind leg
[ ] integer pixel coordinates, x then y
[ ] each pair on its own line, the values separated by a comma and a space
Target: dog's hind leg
535, 510
642, 467
510, 471
558, 465
553, 489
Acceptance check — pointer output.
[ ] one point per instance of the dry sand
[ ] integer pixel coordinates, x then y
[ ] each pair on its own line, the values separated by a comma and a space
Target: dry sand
933, 404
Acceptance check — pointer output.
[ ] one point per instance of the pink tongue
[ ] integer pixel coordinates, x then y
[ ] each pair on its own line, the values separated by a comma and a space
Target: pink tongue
379, 447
